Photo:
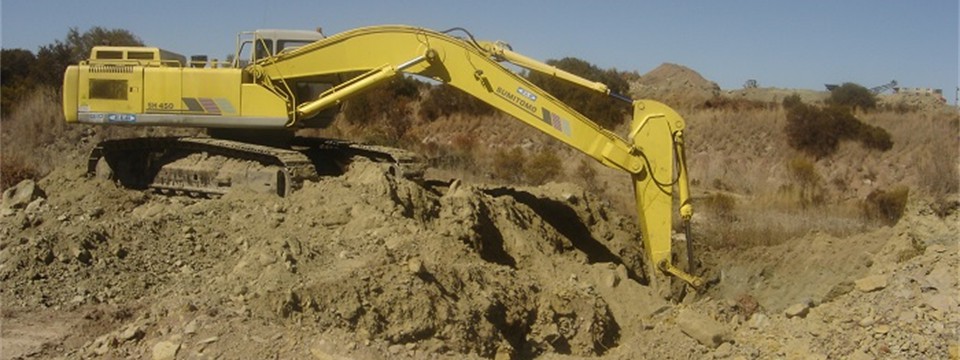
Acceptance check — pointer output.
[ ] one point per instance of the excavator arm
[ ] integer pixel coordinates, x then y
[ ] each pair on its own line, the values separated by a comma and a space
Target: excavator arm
653, 154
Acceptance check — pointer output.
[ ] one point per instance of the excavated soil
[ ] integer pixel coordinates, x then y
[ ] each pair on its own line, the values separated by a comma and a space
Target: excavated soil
371, 265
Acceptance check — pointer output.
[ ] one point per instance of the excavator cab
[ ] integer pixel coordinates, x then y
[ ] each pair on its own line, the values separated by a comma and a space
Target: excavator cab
260, 44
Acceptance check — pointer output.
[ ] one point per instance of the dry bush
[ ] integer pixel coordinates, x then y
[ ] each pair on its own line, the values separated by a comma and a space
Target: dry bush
721, 205
807, 179
736, 104
508, 164
886, 206
445, 100
587, 176
818, 132
767, 221
726, 148
35, 137
13, 170
542, 167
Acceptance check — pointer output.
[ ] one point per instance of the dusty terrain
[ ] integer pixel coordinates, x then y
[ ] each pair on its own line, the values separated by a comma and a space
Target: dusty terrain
369, 265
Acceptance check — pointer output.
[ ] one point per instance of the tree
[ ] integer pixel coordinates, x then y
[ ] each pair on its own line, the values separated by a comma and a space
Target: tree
853, 96
15, 69
53, 58
22, 71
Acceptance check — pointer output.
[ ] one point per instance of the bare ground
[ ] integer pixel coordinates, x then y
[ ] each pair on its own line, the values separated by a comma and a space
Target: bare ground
369, 266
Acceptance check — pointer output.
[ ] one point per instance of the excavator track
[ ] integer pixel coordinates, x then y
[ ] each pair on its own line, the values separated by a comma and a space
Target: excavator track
210, 167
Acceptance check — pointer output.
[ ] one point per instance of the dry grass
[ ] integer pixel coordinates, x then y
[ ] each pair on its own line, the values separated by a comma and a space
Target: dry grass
35, 139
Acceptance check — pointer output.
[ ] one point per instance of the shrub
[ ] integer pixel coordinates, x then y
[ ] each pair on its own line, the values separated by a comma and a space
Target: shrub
508, 164
384, 111
542, 167
804, 174
853, 96
387, 101
721, 205
809, 130
886, 206
792, 101
445, 100
818, 132
735, 104
13, 170
588, 175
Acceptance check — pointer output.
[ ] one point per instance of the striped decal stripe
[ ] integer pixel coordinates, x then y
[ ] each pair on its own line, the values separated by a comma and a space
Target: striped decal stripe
193, 104
216, 106
209, 105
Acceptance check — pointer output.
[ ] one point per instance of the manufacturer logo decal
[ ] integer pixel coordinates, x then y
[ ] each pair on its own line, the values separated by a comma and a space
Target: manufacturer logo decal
125, 118
527, 94
520, 101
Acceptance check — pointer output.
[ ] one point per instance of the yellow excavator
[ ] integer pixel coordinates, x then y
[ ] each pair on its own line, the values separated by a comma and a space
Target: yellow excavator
281, 80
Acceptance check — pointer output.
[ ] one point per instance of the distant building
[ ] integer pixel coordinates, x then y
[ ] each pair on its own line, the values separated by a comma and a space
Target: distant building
921, 91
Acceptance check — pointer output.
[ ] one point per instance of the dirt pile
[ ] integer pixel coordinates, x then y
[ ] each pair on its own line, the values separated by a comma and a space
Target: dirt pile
675, 85
370, 265
376, 258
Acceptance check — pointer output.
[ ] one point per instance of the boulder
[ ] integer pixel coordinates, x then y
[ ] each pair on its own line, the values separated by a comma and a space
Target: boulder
20, 195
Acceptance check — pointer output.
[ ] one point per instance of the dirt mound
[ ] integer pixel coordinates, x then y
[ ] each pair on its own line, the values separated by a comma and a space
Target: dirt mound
674, 84
432, 269
370, 265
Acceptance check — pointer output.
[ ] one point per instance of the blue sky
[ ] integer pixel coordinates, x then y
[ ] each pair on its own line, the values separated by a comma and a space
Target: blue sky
787, 44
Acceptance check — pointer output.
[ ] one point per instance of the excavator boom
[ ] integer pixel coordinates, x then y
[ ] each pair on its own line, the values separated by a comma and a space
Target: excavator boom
266, 94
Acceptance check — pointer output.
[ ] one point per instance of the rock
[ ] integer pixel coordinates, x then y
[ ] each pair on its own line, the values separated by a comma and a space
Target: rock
165, 350
82, 255
942, 278
867, 321
942, 302
882, 329
35, 206
871, 283
702, 328
395, 349
133, 332
907, 317
191, 327
622, 272
611, 279
208, 340
759, 321
723, 351
797, 310
21, 194
415, 266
